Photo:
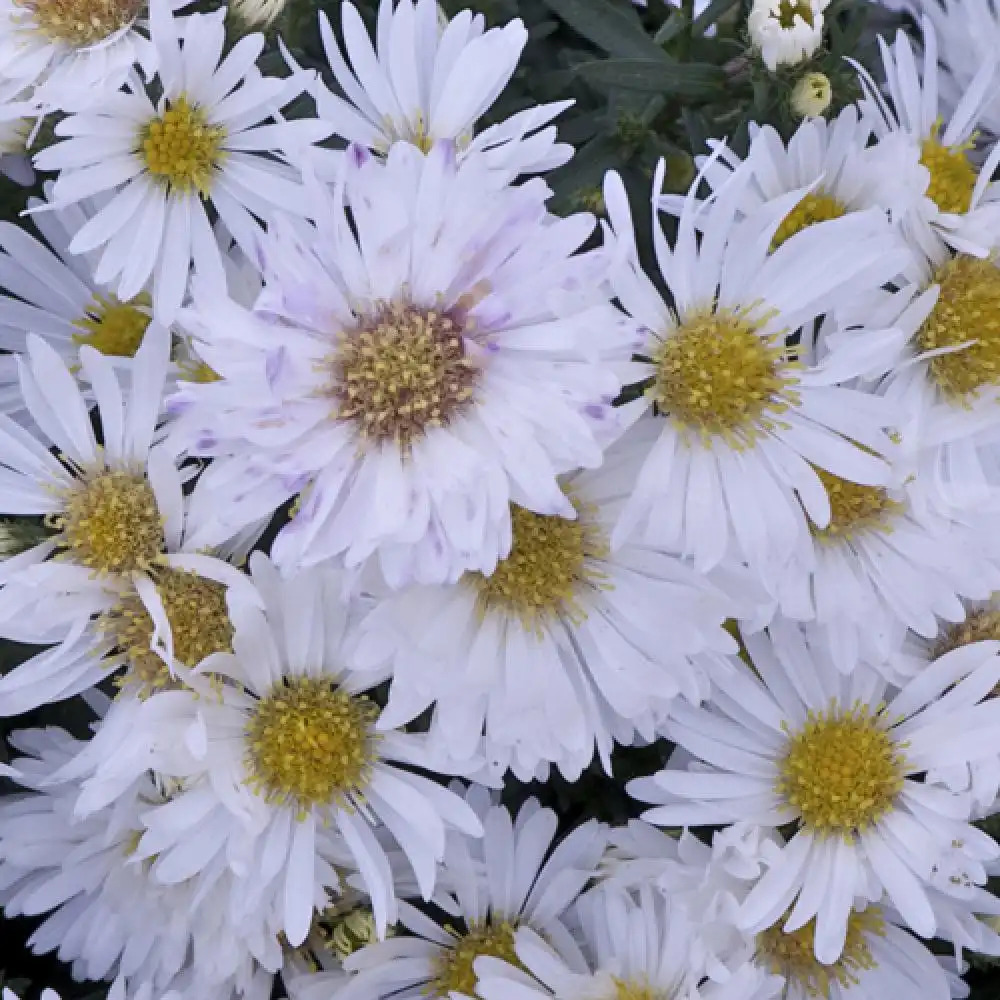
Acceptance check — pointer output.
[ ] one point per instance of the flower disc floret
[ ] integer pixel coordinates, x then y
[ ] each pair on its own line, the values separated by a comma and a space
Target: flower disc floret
81, 22
309, 743
113, 327
111, 523
789, 10
953, 178
854, 508
967, 309
401, 372
546, 568
842, 771
181, 149
454, 967
980, 625
813, 208
717, 375
793, 954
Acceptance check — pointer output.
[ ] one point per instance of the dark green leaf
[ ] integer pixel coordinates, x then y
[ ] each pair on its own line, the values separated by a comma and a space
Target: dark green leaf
660, 76
615, 29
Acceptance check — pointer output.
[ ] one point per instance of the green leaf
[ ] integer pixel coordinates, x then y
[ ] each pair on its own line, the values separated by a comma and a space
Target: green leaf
659, 76
616, 30
711, 14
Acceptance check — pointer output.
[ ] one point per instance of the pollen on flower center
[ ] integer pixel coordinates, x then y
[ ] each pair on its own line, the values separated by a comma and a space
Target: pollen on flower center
793, 955
199, 623
402, 372
717, 375
81, 22
113, 327
953, 178
813, 208
453, 967
111, 523
978, 626
841, 770
631, 989
309, 743
546, 568
854, 508
181, 148
788, 10
967, 309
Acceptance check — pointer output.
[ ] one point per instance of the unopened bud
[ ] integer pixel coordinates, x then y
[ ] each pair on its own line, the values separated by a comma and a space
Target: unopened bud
811, 96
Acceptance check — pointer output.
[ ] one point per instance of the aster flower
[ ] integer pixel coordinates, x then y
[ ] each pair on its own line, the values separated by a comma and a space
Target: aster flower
505, 356
786, 32
560, 648
117, 524
732, 454
839, 757
286, 762
627, 947
488, 889
74, 54
109, 918
205, 141
425, 81
962, 204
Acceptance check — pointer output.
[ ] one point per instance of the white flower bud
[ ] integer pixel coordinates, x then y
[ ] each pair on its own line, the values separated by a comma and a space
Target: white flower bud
786, 32
811, 96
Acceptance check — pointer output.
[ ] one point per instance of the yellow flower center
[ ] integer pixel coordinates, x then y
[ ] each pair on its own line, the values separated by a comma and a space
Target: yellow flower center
967, 309
841, 770
199, 622
631, 989
788, 10
793, 956
81, 22
717, 375
310, 744
180, 147
401, 373
195, 370
854, 508
111, 523
112, 327
810, 97
453, 967
952, 175
978, 626
813, 208
546, 569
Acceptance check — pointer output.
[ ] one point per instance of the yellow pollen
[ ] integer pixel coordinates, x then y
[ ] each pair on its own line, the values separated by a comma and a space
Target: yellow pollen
453, 967
199, 622
81, 22
967, 309
549, 564
854, 508
631, 989
716, 375
953, 178
195, 370
793, 956
180, 147
112, 327
813, 208
402, 372
788, 9
111, 523
842, 771
978, 626
309, 743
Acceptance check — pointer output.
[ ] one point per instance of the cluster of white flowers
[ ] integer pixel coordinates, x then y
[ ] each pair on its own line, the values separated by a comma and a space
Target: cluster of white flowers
340, 473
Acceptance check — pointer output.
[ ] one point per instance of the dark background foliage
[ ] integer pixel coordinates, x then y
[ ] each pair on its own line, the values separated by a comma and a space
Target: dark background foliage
647, 83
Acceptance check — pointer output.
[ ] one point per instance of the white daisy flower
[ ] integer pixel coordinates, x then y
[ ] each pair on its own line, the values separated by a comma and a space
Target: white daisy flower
424, 81
487, 890
205, 141
560, 649
75, 54
17, 117
831, 160
961, 206
117, 520
505, 357
628, 948
742, 423
786, 32
798, 742
285, 756
110, 919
